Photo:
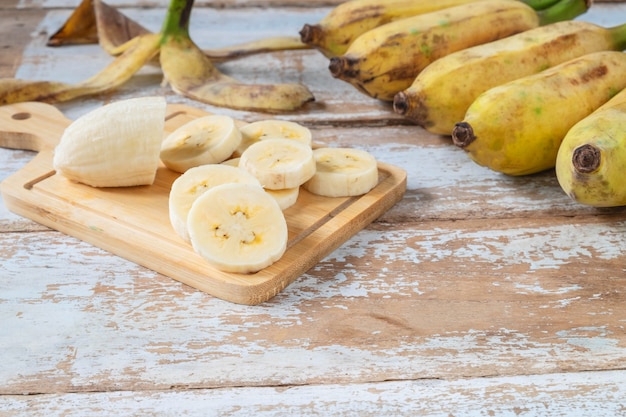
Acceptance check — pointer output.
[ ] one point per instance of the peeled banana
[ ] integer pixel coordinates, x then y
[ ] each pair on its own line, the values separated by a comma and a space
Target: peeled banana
441, 94
591, 161
237, 228
343, 172
116, 145
516, 128
385, 60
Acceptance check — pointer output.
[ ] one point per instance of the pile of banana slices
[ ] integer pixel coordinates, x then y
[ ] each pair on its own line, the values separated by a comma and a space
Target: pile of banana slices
236, 179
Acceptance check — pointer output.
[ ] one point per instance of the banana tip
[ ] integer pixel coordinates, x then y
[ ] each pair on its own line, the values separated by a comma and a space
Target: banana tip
336, 66
463, 134
310, 33
401, 103
586, 159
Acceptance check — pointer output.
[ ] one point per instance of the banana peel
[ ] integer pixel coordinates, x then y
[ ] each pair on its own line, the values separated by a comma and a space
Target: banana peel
191, 73
187, 69
80, 27
141, 50
95, 21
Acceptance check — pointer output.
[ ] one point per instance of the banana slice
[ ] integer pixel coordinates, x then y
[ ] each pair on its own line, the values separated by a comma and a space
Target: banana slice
286, 197
279, 163
238, 228
116, 145
195, 182
205, 140
231, 161
342, 172
272, 129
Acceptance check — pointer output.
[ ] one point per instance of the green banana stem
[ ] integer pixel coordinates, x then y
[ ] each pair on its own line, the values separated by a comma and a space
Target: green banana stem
618, 33
540, 4
563, 10
176, 22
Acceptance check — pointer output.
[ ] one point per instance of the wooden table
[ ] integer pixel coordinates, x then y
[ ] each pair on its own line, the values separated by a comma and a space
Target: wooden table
477, 294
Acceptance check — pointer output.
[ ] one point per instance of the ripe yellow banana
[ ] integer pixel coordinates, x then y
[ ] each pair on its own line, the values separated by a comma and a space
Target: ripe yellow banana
441, 94
516, 128
385, 60
345, 22
338, 29
591, 162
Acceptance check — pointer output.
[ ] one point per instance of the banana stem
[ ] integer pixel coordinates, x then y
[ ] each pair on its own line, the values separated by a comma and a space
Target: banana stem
176, 22
619, 36
563, 10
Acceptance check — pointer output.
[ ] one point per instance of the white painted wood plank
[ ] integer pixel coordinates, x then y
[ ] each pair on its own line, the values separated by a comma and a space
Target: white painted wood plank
597, 394
390, 304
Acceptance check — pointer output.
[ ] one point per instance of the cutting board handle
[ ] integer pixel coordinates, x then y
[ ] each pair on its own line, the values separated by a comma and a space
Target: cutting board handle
32, 126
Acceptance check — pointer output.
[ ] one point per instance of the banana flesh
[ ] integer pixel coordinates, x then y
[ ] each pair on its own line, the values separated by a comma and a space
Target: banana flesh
205, 140
279, 163
591, 160
272, 129
338, 29
96, 148
441, 94
385, 60
516, 128
193, 183
237, 228
343, 172
191, 73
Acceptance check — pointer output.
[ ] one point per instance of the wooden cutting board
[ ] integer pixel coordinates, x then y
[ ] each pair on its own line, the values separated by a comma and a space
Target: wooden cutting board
134, 223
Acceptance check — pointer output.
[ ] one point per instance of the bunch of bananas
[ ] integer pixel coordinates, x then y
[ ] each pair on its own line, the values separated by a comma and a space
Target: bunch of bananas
189, 70
522, 88
380, 47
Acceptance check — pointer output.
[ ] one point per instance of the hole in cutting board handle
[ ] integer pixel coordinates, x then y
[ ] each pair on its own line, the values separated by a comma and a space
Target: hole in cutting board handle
21, 116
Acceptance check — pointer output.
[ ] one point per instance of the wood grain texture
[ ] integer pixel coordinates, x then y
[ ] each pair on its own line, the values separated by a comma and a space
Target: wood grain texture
477, 294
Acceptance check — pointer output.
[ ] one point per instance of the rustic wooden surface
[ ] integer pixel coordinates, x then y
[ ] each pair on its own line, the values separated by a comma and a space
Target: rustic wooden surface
477, 294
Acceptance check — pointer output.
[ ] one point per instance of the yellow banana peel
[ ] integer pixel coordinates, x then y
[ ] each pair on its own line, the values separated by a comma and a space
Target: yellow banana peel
140, 51
186, 67
191, 73
80, 27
